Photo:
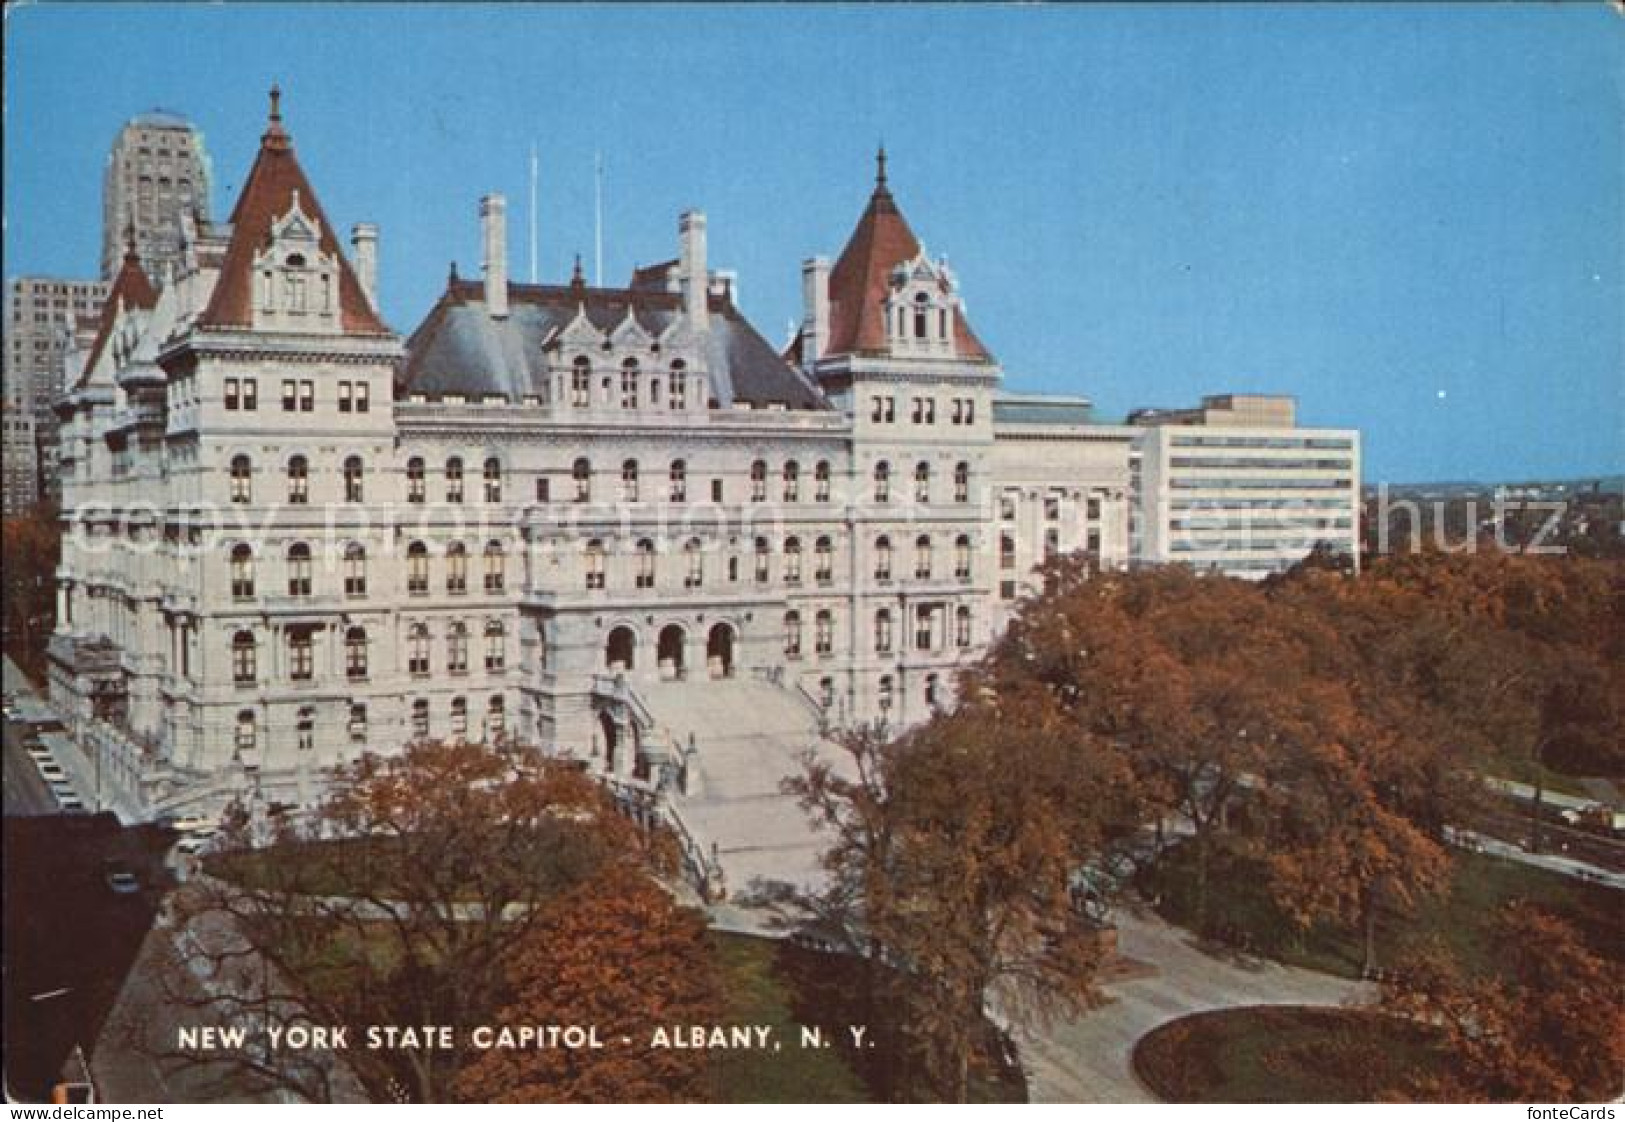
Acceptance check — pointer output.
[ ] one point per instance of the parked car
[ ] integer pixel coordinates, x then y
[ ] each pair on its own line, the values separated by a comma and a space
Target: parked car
121, 878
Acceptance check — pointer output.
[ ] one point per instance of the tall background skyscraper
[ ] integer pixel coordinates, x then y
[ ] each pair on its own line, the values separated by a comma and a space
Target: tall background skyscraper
157, 172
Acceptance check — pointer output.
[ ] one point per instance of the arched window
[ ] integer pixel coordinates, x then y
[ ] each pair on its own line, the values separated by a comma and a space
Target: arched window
417, 569
581, 472
758, 481
595, 564
792, 561
244, 658
456, 569
883, 631
678, 491
823, 633
826, 692
764, 551
962, 482
885, 695
696, 564
1007, 551
305, 728
417, 651
792, 481
922, 482
962, 626
493, 480
459, 717
629, 481
581, 383
299, 569
644, 577
242, 479
242, 572
246, 736
496, 717
496, 645
882, 558
355, 653
677, 397
496, 567
792, 634
882, 482
414, 480
933, 692
962, 557
352, 479
298, 480
922, 308
420, 717
457, 648
922, 557
355, 570
454, 480
629, 384
823, 561
821, 482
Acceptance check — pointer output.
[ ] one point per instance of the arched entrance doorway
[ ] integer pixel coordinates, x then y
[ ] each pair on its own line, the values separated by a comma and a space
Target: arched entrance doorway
619, 649
612, 739
670, 651
719, 651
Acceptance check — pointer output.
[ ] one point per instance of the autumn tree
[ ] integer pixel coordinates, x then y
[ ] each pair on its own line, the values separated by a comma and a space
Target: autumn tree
620, 955
1547, 1026
956, 845
30, 546
402, 898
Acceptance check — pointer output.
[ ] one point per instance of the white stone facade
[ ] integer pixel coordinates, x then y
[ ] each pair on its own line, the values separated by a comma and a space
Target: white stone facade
292, 535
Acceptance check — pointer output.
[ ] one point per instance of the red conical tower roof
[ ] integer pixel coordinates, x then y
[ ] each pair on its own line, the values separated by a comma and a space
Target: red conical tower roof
859, 281
266, 197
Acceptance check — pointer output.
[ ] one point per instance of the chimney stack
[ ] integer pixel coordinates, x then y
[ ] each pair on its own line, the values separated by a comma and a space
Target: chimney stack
494, 226
696, 279
815, 306
364, 244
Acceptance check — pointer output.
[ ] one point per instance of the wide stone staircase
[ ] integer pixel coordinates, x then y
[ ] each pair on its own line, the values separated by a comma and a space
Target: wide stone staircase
748, 736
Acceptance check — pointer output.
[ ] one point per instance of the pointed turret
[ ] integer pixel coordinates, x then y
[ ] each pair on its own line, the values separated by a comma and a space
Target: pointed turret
277, 185
859, 281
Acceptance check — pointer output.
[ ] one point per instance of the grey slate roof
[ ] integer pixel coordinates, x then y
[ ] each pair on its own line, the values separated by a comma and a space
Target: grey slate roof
460, 349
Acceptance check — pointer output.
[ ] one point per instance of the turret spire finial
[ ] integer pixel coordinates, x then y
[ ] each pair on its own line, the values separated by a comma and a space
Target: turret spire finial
276, 103
880, 166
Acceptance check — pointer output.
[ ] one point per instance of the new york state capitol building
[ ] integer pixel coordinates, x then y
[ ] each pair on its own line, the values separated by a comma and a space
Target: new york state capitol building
615, 522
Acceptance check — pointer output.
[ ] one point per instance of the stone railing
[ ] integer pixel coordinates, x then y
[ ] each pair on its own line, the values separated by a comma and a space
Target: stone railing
649, 809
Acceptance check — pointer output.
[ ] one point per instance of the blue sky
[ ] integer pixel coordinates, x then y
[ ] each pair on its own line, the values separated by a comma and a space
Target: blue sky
1410, 217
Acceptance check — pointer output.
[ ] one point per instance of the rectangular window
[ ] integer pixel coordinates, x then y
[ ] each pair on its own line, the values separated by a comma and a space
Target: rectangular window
344, 397
358, 724
290, 395
251, 395
362, 397
541, 489
716, 490
307, 396
232, 397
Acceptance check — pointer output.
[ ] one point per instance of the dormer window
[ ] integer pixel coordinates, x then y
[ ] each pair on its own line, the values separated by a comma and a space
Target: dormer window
922, 313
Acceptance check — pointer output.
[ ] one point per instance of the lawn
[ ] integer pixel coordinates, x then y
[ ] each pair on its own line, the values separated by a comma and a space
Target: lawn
1285, 1053
1459, 918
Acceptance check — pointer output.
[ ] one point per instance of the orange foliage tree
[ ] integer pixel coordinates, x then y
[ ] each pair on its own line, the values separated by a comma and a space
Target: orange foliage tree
1548, 1027
618, 955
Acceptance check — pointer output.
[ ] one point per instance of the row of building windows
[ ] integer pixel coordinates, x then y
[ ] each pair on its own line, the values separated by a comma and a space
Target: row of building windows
298, 395
354, 569
1310, 464
632, 386
246, 736
301, 652
922, 411
1341, 443
644, 555
1263, 483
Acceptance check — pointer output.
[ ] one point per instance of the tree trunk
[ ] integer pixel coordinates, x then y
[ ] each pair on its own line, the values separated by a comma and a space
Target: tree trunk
1368, 907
